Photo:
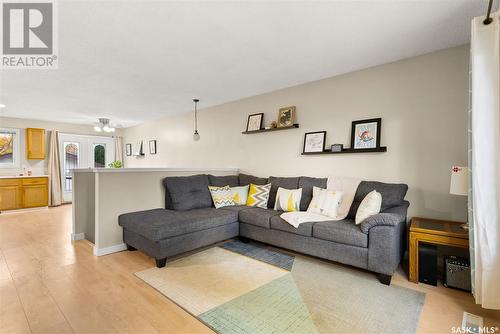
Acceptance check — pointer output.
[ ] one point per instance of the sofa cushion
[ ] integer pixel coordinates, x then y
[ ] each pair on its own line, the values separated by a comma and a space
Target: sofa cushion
221, 181
307, 184
393, 194
305, 229
257, 216
246, 179
187, 192
161, 224
283, 182
342, 231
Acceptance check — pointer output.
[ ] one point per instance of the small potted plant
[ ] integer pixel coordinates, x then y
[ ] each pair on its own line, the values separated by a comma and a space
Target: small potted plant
116, 164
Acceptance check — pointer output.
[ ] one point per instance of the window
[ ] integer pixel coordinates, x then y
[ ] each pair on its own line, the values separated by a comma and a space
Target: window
99, 155
9, 148
71, 157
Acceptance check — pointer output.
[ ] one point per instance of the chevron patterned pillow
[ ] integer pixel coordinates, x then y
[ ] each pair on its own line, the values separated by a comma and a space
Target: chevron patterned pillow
222, 196
258, 195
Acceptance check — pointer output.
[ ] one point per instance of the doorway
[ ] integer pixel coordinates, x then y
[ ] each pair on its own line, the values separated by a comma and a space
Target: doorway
82, 151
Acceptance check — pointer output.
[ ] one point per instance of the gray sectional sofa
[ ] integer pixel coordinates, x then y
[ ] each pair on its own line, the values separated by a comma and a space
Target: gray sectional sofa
189, 221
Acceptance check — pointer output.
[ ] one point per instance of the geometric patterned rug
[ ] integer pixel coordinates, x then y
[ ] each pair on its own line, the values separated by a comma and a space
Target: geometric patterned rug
260, 252
234, 293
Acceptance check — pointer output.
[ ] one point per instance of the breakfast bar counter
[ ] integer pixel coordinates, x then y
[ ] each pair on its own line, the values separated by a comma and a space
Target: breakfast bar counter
100, 195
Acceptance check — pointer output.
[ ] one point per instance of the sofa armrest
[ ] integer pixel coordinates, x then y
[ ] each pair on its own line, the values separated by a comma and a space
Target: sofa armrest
390, 217
380, 219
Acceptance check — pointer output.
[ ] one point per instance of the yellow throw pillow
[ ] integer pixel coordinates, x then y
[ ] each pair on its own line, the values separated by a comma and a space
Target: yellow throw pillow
288, 200
222, 196
240, 194
258, 195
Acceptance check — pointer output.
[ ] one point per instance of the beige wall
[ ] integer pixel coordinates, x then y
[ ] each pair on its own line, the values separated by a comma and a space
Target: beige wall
38, 166
423, 103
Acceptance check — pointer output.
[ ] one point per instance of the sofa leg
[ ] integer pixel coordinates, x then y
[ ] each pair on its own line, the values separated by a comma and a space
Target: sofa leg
131, 248
385, 279
244, 240
160, 263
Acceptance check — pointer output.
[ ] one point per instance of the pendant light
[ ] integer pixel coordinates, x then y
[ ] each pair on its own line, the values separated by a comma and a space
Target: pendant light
196, 135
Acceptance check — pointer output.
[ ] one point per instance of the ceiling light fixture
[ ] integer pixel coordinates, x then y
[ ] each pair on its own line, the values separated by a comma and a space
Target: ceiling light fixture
103, 125
196, 135
2, 105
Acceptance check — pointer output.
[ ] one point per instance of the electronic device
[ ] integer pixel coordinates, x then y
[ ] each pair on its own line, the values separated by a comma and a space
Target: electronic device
457, 273
337, 147
427, 264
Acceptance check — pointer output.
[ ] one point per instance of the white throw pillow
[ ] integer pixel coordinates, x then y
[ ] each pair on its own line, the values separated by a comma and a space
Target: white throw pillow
369, 206
288, 200
240, 194
325, 202
222, 196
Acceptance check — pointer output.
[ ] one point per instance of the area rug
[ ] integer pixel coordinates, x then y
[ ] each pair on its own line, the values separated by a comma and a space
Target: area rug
234, 293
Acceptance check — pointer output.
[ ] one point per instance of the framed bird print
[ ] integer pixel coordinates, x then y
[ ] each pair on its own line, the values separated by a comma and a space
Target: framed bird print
365, 134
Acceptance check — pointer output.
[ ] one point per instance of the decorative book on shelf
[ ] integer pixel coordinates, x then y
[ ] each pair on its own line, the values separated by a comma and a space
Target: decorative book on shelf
350, 150
295, 126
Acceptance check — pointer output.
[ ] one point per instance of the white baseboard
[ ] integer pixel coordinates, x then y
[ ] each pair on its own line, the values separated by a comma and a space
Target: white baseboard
77, 236
109, 250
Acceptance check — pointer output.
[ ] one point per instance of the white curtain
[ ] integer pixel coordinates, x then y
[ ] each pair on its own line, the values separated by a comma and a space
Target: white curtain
118, 143
485, 161
54, 166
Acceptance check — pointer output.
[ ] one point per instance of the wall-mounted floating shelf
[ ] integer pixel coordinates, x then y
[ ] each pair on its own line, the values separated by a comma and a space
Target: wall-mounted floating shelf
295, 126
350, 150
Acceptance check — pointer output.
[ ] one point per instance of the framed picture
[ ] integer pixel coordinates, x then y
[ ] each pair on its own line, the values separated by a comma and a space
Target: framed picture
365, 134
314, 141
286, 116
152, 147
254, 122
10, 148
128, 149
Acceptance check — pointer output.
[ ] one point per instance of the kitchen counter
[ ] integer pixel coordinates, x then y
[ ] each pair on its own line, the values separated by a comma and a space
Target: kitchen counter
20, 177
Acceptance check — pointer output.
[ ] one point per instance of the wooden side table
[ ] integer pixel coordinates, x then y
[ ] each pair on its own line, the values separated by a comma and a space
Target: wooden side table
434, 231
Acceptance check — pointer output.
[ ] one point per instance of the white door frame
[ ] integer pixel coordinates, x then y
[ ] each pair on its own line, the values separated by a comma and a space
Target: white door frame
85, 153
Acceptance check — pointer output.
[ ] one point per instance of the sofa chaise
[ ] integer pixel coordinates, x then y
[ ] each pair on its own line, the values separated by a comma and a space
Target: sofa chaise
189, 221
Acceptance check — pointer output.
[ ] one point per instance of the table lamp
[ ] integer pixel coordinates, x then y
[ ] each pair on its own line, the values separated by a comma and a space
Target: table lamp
459, 184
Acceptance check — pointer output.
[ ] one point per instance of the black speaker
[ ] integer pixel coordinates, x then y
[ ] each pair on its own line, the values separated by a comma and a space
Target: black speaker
427, 264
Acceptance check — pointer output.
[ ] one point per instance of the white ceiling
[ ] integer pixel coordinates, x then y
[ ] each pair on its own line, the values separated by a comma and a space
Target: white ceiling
133, 61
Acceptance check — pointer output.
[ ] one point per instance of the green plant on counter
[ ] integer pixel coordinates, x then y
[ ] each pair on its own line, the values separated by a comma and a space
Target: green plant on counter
116, 164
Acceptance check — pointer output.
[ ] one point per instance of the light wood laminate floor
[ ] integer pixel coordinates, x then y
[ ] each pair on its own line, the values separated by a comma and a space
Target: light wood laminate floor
49, 284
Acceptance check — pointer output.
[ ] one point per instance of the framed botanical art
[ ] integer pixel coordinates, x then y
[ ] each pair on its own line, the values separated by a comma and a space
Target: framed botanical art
365, 134
128, 149
314, 141
254, 122
286, 116
152, 147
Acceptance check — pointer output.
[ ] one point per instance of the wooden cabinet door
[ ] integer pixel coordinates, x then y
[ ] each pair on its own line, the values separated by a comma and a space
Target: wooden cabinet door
35, 143
35, 195
10, 197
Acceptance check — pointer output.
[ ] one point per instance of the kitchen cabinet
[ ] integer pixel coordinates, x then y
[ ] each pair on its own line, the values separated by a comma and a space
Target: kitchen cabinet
35, 144
23, 192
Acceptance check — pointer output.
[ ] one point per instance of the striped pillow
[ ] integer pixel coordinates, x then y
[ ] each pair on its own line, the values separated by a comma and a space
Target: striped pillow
222, 196
258, 195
